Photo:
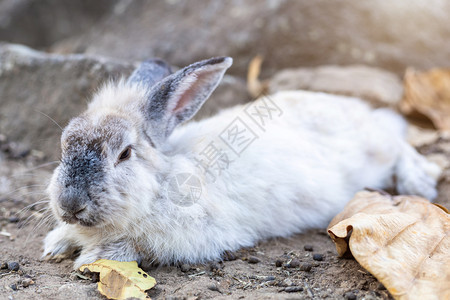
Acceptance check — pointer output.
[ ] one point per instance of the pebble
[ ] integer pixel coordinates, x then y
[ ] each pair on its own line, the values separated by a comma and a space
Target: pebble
13, 266
305, 267
293, 264
13, 287
27, 282
308, 248
185, 268
13, 219
317, 256
293, 289
350, 296
270, 278
287, 282
278, 263
253, 260
213, 287
3, 266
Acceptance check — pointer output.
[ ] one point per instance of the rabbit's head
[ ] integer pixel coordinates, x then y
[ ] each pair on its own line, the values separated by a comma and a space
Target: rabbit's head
112, 161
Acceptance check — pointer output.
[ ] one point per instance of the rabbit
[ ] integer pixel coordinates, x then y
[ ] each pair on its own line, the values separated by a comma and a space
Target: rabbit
138, 183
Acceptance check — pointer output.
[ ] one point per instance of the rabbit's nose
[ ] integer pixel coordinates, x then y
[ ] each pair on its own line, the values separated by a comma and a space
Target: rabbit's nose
73, 201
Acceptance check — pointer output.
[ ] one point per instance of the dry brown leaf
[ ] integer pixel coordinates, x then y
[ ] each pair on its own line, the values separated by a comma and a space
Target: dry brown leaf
428, 94
255, 87
419, 137
403, 241
121, 280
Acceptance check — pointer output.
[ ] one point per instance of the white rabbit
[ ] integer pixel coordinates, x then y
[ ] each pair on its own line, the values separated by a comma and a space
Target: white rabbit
133, 186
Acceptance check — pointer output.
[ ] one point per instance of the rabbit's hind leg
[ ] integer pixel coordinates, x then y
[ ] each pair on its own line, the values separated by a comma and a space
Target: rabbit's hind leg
415, 175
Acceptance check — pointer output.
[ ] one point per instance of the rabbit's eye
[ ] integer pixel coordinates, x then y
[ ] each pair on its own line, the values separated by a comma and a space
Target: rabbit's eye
125, 154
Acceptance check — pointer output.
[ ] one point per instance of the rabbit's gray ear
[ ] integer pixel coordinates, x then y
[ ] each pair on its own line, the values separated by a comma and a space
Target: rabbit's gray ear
150, 72
179, 96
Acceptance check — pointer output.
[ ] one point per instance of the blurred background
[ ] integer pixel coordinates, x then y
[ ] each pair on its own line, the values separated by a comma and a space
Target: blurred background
54, 54
68, 47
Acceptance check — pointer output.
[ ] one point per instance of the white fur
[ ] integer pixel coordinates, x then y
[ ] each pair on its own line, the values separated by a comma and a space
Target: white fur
301, 171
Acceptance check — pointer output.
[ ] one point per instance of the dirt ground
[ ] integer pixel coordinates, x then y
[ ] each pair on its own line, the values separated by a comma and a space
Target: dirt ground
248, 274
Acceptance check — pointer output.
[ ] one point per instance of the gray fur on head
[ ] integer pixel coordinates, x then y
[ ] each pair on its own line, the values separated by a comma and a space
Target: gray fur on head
178, 97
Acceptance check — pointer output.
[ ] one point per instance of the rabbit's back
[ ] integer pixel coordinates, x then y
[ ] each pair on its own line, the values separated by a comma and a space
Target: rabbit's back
299, 169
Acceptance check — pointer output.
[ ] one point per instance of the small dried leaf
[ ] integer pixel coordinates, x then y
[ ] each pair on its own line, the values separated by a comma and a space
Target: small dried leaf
403, 241
121, 280
428, 94
255, 87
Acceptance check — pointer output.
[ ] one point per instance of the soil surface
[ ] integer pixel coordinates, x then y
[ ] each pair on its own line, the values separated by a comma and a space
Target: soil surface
274, 269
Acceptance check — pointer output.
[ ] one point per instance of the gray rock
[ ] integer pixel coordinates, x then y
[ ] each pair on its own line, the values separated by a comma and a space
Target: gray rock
253, 260
318, 256
36, 87
289, 34
40, 23
380, 87
293, 264
185, 268
38, 90
13, 266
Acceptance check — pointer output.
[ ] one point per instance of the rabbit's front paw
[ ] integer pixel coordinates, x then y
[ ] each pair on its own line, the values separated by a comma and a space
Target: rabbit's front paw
58, 245
87, 256
119, 250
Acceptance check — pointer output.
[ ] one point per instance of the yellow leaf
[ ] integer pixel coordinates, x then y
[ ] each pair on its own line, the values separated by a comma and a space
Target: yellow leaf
428, 94
403, 241
121, 280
